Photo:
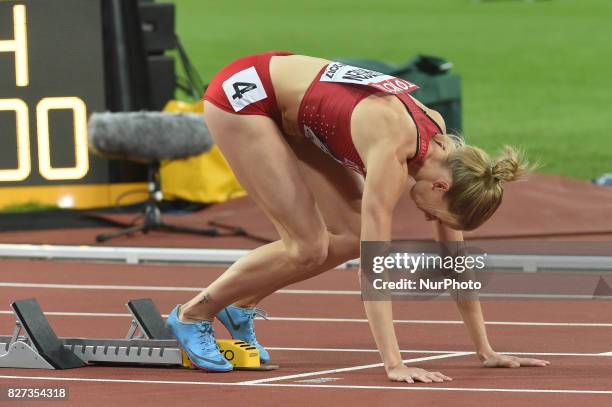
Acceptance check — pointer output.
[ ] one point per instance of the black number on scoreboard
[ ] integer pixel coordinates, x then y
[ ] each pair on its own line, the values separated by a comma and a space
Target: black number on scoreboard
241, 88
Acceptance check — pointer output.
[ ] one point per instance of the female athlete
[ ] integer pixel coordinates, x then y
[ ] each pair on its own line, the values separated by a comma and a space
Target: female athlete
326, 150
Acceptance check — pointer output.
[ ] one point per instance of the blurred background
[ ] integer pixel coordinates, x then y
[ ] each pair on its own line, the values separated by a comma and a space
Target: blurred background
534, 73
531, 73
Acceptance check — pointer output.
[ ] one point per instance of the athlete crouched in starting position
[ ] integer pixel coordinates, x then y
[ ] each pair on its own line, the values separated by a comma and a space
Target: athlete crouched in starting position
302, 134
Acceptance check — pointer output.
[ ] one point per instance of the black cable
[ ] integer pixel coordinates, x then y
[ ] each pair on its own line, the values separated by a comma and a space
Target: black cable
128, 193
196, 86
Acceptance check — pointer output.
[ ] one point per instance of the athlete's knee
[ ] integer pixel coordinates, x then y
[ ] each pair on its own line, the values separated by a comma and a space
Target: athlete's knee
354, 246
309, 254
349, 244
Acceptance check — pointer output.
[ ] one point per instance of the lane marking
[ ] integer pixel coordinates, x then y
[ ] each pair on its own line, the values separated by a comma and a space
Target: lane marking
350, 320
445, 322
320, 386
351, 369
76, 314
320, 380
157, 288
285, 291
427, 351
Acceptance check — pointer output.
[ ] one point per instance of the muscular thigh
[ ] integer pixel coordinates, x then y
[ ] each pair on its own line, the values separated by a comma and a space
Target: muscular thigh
337, 189
268, 169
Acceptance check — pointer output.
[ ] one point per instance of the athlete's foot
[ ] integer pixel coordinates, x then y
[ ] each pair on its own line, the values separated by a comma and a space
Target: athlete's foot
198, 340
240, 324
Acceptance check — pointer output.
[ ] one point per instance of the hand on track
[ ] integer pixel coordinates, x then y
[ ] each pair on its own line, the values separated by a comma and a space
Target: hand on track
402, 373
497, 360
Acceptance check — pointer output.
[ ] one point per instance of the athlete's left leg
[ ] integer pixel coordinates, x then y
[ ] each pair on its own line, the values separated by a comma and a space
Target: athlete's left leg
337, 191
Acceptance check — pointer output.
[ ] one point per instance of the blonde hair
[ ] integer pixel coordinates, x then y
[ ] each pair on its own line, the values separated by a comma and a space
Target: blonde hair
476, 190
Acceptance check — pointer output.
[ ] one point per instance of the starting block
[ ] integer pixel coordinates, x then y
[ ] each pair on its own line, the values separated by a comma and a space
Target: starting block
148, 342
240, 354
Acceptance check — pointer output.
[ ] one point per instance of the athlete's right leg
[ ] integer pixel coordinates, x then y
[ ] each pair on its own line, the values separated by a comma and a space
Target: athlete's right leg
267, 168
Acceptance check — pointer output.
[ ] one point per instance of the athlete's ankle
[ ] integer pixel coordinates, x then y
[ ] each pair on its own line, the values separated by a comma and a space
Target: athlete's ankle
186, 315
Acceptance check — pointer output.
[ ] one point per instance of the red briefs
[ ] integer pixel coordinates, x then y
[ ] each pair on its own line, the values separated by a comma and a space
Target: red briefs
245, 87
324, 117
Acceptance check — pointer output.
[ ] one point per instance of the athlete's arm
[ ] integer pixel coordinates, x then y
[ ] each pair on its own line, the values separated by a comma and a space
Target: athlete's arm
376, 136
385, 182
470, 311
386, 179
471, 314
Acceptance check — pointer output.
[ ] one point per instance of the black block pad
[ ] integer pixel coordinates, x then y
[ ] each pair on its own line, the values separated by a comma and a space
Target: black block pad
43, 337
149, 318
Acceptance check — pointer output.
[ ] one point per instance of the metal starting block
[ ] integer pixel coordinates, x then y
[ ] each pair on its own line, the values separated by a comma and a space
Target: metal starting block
148, 343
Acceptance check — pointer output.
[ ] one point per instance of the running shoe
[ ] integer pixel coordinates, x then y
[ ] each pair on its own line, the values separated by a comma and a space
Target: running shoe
198, 340
240, 324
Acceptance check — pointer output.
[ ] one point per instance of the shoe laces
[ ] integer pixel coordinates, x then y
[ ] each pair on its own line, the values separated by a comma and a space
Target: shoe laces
258, 312
252, 314
207, 334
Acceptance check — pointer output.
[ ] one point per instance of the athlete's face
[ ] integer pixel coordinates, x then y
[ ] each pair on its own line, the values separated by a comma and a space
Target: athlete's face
433, 179
429, 197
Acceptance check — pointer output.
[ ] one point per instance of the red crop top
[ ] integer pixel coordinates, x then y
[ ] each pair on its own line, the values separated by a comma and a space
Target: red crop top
325, 113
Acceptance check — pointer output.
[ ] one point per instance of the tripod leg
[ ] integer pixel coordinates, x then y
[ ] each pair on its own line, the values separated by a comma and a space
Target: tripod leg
186, 229
103, 237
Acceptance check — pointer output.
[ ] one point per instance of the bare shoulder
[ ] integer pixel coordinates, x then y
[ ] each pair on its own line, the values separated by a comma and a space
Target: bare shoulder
383, 119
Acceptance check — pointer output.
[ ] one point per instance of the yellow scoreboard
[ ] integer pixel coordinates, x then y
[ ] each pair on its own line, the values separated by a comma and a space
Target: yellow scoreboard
52, 77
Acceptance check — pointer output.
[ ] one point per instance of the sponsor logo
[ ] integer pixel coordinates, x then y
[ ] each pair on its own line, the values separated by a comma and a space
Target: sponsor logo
360, 74
218, 362
234, 325
332, 69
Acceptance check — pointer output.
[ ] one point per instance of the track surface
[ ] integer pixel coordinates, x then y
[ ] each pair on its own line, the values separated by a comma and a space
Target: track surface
320, 338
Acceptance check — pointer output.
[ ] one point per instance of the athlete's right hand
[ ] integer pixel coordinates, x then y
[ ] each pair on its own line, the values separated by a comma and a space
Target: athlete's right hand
402, 373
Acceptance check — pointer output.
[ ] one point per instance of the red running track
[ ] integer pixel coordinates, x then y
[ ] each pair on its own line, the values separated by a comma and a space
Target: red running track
313, 333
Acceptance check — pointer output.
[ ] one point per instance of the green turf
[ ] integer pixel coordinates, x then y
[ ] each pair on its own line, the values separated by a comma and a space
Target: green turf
535, 73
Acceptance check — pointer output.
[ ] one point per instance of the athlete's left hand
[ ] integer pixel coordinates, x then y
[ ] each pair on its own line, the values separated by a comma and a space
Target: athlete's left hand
494, 359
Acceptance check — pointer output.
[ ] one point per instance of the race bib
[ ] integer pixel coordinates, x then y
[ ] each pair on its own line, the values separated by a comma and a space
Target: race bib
244, 88
339, 72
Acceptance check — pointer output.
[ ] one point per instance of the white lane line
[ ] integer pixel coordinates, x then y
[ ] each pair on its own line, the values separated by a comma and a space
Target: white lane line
326, 292
350, 320
441, 352
320, 386
445, 322
284, 291
157, 288
100, 287
351, 369
76, 314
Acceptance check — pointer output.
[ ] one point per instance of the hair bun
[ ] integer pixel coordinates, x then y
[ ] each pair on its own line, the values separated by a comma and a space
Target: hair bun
510, 165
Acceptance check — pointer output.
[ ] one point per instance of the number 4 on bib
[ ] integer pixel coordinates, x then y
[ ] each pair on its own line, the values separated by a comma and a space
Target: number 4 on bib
244, 88
241, 88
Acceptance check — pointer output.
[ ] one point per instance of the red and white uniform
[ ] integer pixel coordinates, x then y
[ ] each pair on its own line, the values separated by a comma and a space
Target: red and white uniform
324, 117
